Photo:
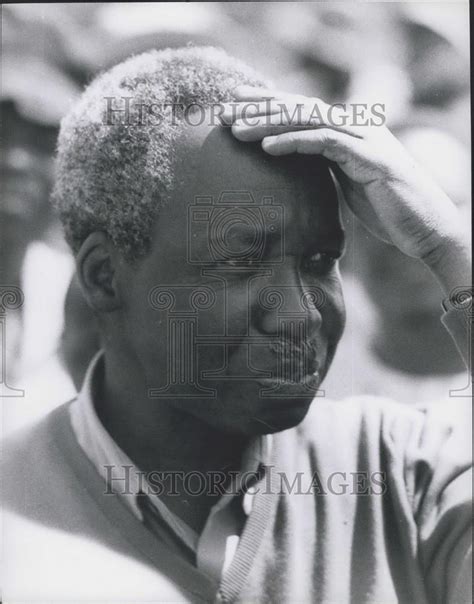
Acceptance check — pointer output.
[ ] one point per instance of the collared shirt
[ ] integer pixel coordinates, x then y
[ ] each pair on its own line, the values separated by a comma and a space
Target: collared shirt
214, 548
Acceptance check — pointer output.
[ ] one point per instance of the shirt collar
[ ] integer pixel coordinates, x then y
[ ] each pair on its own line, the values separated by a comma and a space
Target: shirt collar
113, 464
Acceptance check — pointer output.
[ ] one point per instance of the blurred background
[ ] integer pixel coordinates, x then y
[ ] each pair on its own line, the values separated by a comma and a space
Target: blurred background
411, 56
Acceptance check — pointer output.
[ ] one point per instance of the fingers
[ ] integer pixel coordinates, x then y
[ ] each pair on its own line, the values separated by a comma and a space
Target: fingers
253, 93
253, 120
298, 119
294, 124
351, 154
268, 125
252, 101
328, 143
248, 110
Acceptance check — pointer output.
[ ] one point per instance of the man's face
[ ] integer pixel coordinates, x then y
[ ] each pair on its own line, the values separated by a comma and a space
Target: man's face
236, 312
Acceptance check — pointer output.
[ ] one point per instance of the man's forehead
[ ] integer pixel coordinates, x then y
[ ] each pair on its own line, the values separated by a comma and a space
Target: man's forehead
224, 187
210, 161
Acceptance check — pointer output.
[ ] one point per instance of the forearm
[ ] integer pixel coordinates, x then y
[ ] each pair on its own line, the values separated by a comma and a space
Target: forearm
452, 265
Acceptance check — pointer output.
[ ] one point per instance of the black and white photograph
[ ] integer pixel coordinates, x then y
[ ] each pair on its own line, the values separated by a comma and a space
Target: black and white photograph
236, 303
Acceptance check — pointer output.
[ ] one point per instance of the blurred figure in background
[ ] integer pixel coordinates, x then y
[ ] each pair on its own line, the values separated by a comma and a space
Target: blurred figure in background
345, 54
438, 56
37, 87
438, 65
25, 175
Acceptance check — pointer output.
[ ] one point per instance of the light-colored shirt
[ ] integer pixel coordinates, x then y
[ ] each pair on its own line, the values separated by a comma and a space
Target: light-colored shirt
215, 547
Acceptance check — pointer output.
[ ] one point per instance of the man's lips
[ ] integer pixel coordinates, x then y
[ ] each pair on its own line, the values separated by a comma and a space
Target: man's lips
277, 361
299, 357
303, 387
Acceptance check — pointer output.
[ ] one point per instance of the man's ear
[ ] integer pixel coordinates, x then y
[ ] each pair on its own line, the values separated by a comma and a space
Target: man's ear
96, 266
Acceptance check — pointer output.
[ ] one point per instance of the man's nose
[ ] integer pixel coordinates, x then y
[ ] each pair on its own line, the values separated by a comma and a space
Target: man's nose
287, 299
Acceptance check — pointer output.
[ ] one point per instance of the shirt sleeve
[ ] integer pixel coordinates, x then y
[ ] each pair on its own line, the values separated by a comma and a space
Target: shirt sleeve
439, 468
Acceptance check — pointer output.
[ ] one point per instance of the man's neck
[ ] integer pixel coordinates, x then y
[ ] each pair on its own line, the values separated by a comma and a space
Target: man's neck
156, 433
159, 437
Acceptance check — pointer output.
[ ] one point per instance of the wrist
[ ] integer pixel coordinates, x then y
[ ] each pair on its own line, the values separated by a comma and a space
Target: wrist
451, 264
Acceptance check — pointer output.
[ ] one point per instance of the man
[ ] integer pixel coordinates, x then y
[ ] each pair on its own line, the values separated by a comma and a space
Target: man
190, 467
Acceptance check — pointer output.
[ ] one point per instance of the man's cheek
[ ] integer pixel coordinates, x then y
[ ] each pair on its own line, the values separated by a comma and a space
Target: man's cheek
334, 317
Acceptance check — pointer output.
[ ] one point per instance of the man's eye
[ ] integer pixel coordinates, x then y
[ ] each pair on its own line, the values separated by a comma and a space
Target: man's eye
320, 263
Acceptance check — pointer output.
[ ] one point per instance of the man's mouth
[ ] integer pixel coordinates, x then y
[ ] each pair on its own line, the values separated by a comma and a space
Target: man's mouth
294, 361
295, 368
279, 386
293, 373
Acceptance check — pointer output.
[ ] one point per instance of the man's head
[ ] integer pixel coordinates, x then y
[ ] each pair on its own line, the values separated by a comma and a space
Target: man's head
116, 147
209, 263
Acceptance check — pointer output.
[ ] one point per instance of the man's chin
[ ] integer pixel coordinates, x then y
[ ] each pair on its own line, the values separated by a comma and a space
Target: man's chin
252, 407
272, 405
277, 417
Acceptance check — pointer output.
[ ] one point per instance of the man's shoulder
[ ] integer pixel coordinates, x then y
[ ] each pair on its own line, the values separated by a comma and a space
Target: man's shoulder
33, 457
36, 438
55, 516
